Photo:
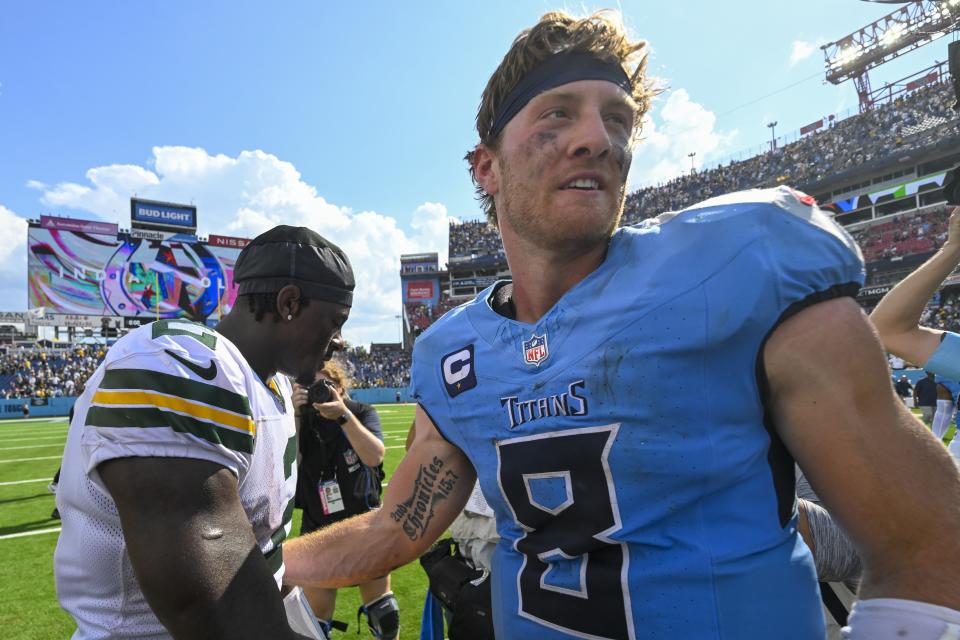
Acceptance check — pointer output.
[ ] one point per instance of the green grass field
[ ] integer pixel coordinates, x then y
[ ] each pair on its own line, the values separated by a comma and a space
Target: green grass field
30, 453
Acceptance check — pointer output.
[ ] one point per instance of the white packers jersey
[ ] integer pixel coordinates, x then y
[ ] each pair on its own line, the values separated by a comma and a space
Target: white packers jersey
177, 389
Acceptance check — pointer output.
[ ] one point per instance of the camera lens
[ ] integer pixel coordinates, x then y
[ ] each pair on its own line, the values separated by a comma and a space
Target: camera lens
319, 392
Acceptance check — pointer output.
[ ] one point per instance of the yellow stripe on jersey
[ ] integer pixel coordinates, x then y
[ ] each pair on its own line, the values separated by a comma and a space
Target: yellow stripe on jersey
199, 411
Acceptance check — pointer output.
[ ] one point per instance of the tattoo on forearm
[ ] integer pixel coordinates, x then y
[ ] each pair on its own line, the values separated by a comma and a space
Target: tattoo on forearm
432, 485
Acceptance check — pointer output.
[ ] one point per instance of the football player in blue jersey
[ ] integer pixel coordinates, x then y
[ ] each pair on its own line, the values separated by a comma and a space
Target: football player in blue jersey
623, 509
897, 318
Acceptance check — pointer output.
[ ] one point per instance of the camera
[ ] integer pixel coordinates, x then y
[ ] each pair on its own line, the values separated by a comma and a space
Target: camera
319, 392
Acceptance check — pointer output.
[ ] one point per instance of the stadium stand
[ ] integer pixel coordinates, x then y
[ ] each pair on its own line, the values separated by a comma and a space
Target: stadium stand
904, 234
474, 238
384, 365
47, 373
422, 315
56, 372
907, 124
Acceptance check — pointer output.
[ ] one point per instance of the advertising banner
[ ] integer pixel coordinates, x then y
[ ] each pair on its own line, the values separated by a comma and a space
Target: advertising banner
148, 214
80, 226
145, 234
133, 322
420, 290
813, 126
67, 320
227, 241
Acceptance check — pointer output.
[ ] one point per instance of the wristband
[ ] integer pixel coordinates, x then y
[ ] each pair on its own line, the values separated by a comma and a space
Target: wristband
893, 618
342, 420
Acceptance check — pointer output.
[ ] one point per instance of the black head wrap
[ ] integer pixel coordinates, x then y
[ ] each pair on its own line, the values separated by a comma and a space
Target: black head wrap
299, 256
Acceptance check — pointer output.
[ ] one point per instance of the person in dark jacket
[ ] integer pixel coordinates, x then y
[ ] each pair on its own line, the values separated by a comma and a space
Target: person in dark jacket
903, 387
925, 396
339, 475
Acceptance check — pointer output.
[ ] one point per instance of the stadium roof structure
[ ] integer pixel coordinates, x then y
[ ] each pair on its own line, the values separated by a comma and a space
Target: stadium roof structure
914, 25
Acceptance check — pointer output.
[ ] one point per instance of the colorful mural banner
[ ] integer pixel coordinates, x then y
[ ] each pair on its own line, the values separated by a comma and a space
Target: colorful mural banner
123, 275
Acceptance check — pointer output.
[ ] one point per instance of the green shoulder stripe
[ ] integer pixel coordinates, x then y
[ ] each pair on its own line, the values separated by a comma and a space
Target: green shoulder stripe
147, 380
274, 559
178, 327
150, 417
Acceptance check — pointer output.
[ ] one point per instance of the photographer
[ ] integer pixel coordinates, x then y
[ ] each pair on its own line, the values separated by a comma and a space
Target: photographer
340, 472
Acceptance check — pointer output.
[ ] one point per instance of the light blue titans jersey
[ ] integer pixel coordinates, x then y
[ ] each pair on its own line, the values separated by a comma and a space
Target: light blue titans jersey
639, 490
945, 361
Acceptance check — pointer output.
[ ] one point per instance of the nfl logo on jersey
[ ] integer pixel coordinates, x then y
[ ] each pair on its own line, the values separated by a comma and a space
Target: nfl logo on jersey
535, 350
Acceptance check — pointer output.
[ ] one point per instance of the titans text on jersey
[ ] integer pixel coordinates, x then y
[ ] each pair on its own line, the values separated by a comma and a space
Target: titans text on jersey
622, 440
567, 403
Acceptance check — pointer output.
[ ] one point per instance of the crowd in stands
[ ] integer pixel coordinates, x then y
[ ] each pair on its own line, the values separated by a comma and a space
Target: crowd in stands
47, 373
905, 234
474, 237
52, 373
378, 368
421, 315
910, 122
943, 315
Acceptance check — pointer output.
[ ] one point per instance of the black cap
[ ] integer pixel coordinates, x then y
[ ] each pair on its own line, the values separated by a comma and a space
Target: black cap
299, 256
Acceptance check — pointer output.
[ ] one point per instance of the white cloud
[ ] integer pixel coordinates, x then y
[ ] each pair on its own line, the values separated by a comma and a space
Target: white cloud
13, 261
249, 193
680, 127
801, 50
36, 185
109, 197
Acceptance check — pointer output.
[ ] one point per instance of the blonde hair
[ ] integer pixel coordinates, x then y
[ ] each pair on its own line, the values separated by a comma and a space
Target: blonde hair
338, 374
601, 34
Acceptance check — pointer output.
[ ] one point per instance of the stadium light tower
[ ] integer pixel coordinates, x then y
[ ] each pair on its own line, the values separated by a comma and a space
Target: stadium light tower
915, 24
773, 135
692, 155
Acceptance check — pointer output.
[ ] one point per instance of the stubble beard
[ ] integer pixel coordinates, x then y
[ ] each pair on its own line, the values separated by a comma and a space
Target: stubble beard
532, 222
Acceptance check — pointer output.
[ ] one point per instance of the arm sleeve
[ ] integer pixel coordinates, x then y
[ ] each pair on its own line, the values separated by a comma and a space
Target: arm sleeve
945, 361
836, 558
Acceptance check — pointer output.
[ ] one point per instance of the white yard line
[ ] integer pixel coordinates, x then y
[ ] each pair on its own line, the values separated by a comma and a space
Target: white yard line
7, 484
13, 421
32, 446
30, 533
398, 446
29, 459
57, 437
33, 433
32, 429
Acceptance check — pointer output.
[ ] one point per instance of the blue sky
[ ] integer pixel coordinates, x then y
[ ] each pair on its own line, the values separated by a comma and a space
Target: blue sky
353, 117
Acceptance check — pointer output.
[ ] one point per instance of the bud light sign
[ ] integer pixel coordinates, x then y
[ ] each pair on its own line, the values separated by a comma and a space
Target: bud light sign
147, 214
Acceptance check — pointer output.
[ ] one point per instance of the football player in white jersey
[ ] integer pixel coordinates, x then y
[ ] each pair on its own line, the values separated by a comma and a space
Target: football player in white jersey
178, 473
